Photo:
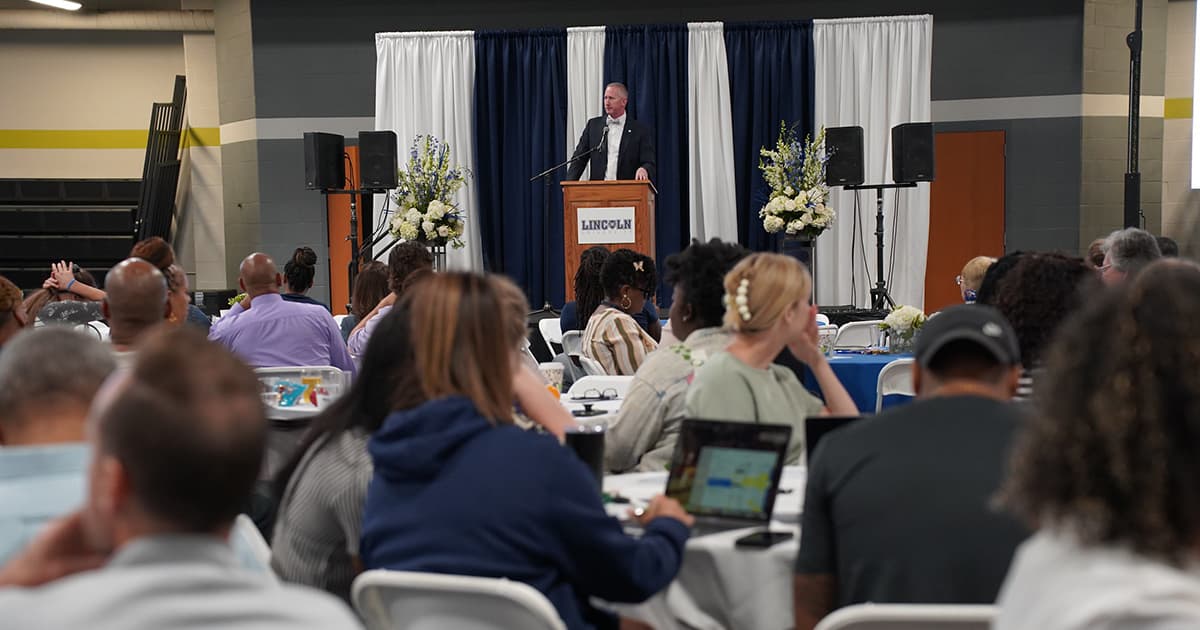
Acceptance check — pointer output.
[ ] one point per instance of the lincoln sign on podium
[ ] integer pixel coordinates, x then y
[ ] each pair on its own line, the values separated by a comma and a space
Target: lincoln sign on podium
606, 225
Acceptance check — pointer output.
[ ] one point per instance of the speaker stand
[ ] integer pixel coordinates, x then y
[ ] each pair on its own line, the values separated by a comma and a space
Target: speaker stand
880, 298
352, 267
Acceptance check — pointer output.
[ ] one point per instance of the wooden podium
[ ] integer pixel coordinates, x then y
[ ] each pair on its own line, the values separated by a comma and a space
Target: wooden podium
612, 214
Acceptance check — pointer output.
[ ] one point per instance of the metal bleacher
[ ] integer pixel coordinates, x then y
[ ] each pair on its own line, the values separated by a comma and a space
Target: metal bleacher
87, 221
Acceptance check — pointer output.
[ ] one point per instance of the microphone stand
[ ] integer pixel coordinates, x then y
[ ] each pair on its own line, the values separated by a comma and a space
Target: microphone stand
545, 176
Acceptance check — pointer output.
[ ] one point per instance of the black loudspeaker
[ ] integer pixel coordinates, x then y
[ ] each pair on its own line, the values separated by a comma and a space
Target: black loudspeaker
912, 153
844, 146
324, 166
377, 160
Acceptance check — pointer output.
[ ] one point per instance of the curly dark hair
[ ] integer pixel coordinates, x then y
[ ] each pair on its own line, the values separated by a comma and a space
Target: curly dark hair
301, 269
589, 293
406, 258
159, 253
699, 271
1038, 294
990, 285
1113, 452
627, 267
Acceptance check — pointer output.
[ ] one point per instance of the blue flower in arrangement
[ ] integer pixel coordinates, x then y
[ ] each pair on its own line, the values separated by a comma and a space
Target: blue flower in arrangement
795, 171
426, 211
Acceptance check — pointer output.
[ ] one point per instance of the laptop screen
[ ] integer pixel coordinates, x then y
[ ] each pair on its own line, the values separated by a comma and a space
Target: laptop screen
728, 469
817, 427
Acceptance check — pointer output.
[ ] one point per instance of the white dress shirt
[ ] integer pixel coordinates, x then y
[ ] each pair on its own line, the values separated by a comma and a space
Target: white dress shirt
616, 127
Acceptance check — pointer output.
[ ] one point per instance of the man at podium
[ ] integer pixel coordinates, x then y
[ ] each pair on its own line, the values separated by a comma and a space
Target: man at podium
620, 147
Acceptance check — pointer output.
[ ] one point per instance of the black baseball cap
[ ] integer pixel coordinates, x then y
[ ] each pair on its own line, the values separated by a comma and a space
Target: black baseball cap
976, 323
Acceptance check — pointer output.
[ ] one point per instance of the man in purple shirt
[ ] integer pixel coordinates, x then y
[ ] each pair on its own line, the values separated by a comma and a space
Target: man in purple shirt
266, 331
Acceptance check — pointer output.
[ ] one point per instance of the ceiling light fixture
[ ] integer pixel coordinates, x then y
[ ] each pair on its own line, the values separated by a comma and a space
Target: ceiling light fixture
60, 4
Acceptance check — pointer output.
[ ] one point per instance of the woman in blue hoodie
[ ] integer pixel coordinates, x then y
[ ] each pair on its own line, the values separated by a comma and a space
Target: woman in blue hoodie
459, 489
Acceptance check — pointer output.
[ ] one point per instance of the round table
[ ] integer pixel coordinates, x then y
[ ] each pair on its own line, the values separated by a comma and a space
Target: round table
859, 374
719, 585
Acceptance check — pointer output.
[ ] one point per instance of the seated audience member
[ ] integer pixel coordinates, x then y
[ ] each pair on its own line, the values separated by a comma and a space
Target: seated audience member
370, 286
322, 490
134, 303
1127, 252
49, 305
1108, 468
1095, 254
12, 312
990, 286
458, 489
175, 453
47, 381
1167, 246
644, 433
406, 259
589, 293
298, 276
896, 507
155, 251
768, 307
972, 276
612, 337
266, 331
1035, 297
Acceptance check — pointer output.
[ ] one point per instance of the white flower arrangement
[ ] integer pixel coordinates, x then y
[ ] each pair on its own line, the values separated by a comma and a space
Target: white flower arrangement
903, 323
795, 171
424, 197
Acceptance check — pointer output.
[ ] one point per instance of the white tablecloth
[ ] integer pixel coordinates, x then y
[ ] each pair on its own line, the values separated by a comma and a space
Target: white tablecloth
719, 585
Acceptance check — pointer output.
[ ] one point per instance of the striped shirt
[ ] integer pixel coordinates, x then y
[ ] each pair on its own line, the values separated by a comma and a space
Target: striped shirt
615, 341
319, 524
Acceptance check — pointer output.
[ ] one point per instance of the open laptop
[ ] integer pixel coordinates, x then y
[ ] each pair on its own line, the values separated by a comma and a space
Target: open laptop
726, 474
817, 427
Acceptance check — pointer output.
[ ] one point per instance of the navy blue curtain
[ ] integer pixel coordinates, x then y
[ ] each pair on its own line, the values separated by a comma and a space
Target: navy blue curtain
771, 78
652, 62
520, 129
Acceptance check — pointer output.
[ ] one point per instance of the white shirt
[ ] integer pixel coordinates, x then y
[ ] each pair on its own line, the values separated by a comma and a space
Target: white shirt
616, 127
1056, 584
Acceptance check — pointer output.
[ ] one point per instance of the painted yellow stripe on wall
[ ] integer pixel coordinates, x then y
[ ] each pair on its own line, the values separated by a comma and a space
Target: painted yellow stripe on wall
97, 138
1176, 108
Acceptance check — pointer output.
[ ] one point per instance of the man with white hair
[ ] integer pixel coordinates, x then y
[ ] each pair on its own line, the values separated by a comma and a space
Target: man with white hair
48, 378
1126, 252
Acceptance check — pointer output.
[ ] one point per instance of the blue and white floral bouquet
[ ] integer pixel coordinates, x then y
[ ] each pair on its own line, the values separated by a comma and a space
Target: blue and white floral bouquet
424, 196
795, 171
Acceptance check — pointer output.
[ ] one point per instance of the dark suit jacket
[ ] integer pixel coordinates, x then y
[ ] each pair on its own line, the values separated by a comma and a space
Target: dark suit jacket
637, 150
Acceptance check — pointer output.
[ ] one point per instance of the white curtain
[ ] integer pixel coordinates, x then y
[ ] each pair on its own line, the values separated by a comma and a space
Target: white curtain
710, 135
585, 81
874, 72
425, 84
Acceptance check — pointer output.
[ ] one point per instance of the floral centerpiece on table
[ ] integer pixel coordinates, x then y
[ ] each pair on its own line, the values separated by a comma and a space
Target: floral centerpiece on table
902, 325
424, 196
795, 171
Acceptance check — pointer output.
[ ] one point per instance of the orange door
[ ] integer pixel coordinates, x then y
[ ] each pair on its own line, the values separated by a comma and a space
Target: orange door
966, 210
337, 209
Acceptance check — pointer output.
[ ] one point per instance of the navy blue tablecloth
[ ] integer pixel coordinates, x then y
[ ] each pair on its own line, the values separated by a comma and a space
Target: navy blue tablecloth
859, 374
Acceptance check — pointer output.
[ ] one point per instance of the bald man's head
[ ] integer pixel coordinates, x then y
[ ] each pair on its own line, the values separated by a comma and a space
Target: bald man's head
135, 299
258, 275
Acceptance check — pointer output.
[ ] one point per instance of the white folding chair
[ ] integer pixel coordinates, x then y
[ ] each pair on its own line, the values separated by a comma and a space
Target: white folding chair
858, 334
249, 546
591, 367
822, 319
552, 334
572, 341
910, 617
404, 600
619, 384
894, 378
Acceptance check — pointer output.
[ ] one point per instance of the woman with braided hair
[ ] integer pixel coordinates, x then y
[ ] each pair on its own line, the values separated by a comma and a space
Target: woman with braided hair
768, 307
298, 276
1108, 467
